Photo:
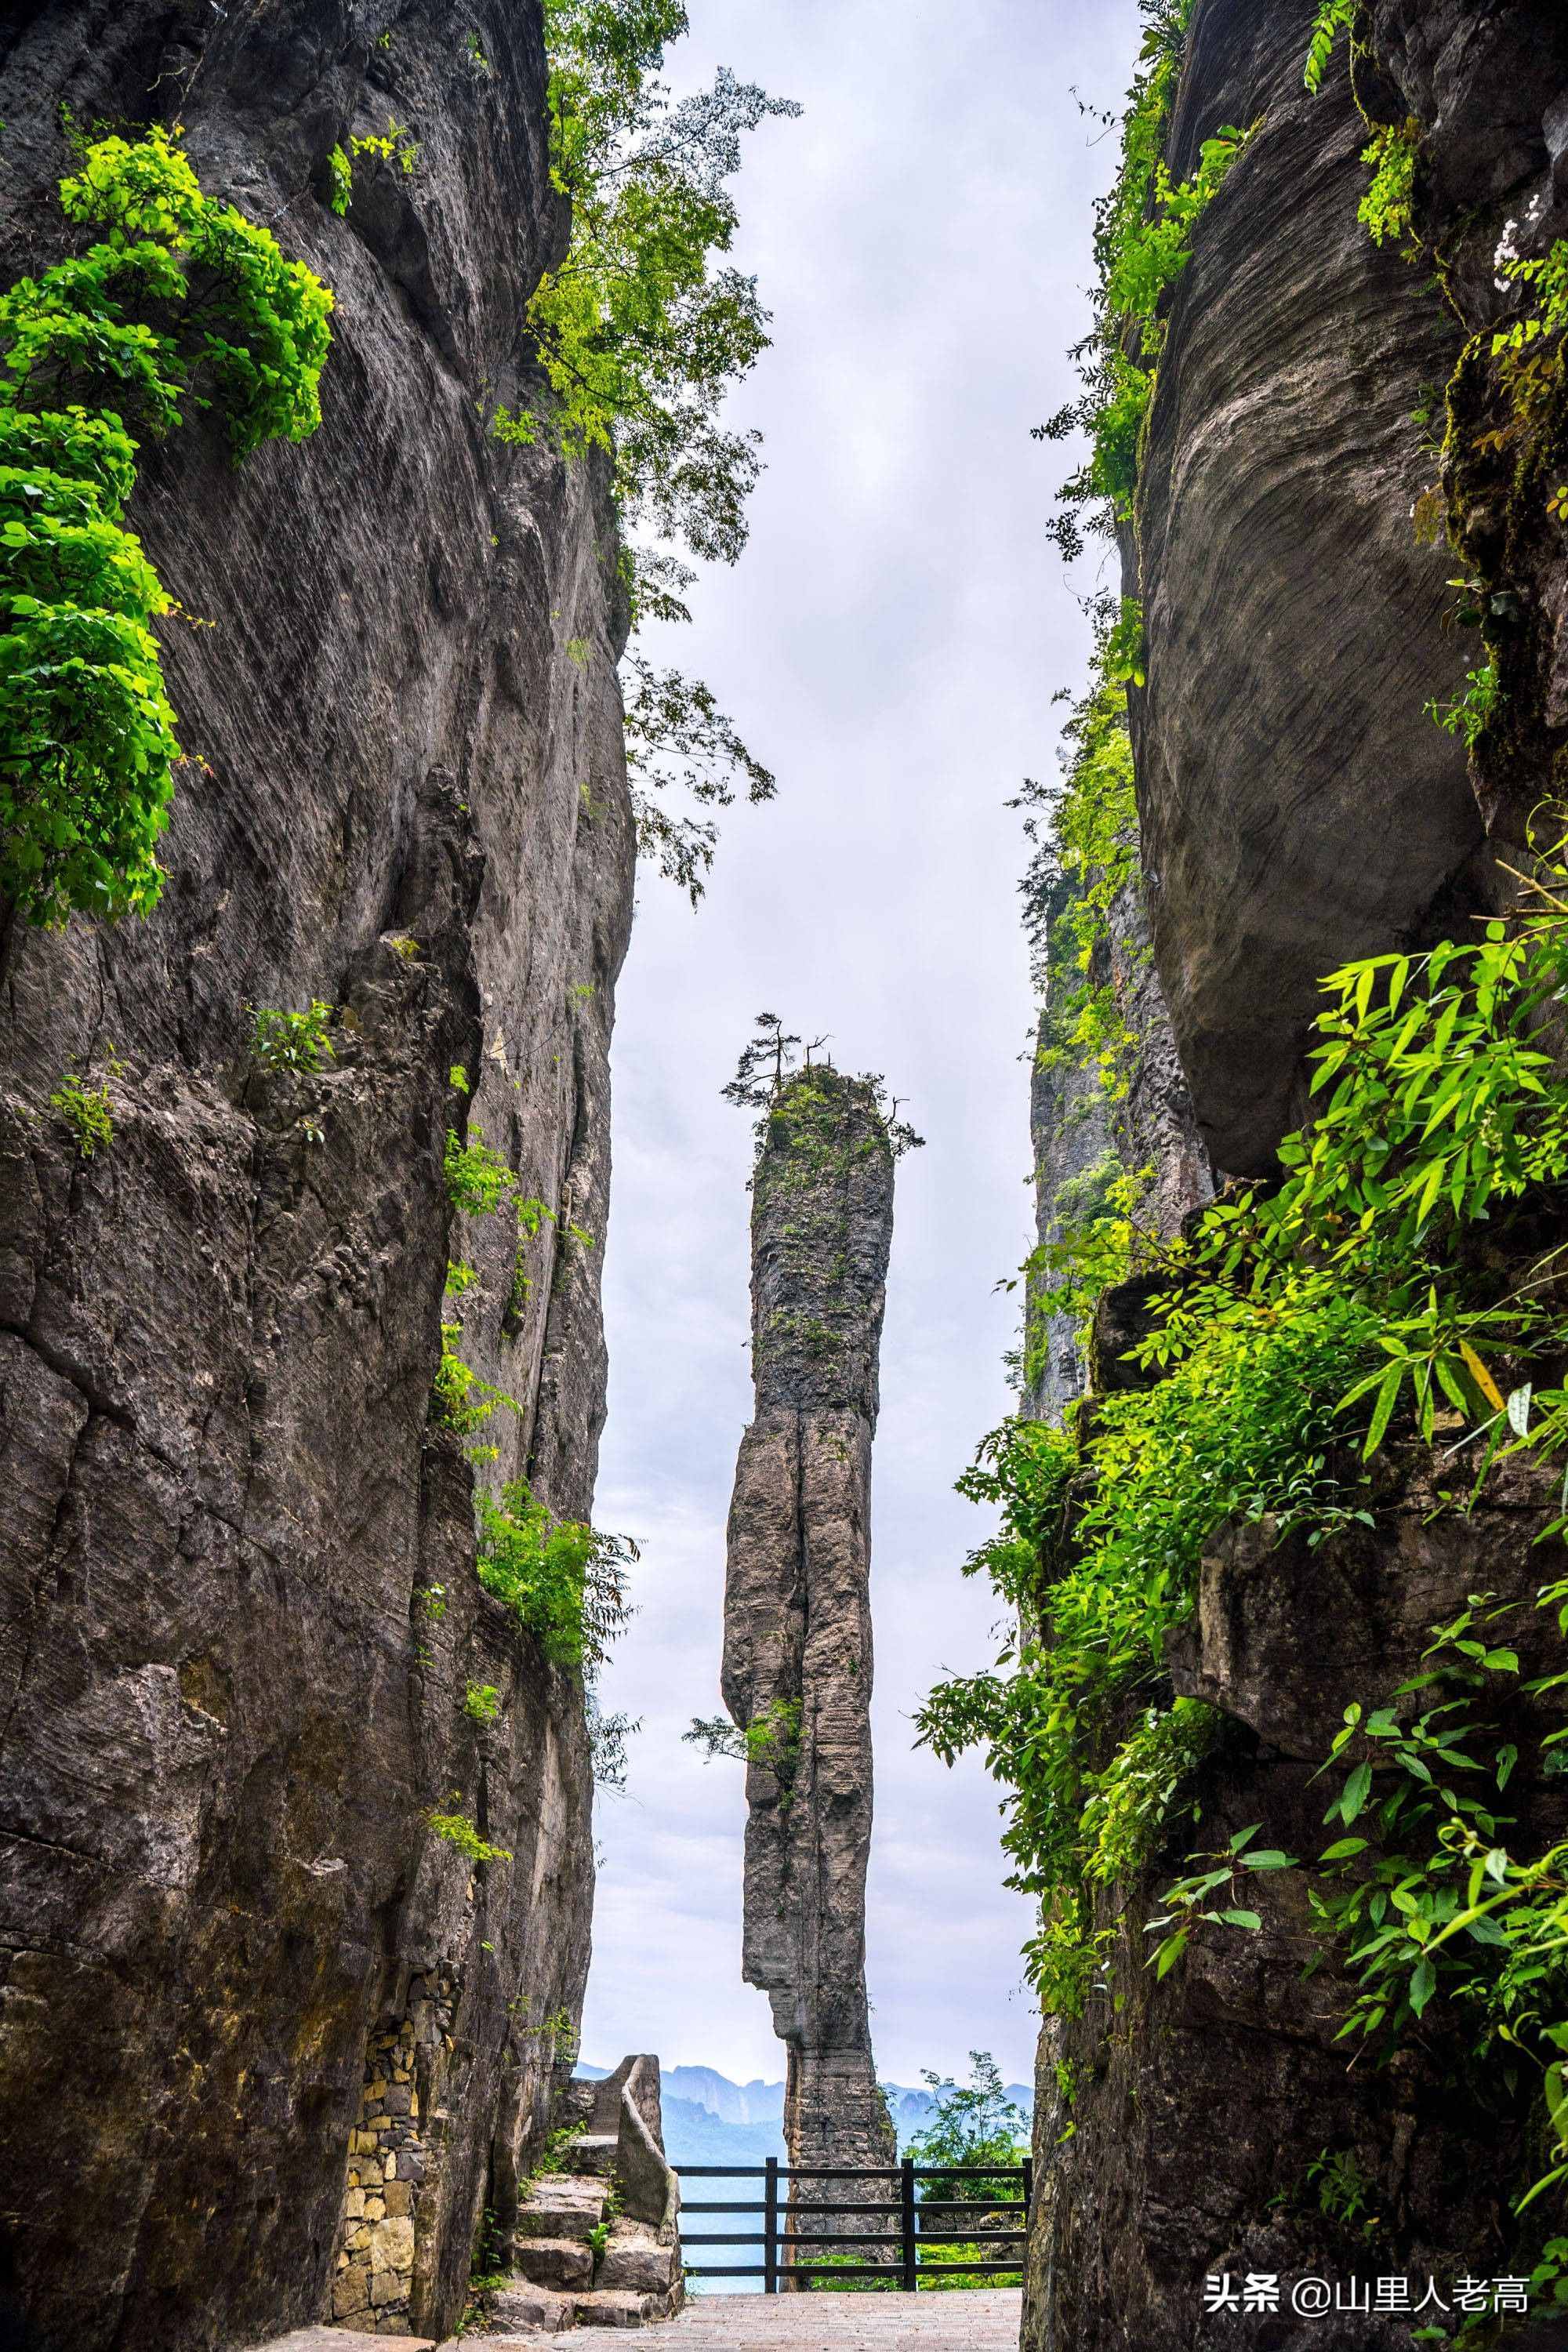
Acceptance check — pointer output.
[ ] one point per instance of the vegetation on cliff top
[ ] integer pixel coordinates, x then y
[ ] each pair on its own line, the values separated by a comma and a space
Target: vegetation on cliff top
640, 333
177, 302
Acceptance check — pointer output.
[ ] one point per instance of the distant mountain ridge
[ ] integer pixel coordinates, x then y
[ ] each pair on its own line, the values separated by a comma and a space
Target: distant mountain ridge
708, 2120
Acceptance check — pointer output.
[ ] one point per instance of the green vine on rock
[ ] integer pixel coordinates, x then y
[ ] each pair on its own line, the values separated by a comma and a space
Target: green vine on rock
179, 302
1292, 1332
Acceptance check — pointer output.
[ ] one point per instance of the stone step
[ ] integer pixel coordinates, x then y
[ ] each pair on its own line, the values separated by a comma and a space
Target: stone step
562, 2205
597, 2154
535, 2311
637, 2262
614, 2307
555, 2262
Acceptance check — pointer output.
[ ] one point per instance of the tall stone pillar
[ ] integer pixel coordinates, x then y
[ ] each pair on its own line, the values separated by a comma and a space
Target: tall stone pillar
797, 1619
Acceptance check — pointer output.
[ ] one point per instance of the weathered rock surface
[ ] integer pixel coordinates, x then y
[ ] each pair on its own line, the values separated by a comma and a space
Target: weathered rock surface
1199, 2101
1488, 97
1298, 808
240, 1971
797, 1619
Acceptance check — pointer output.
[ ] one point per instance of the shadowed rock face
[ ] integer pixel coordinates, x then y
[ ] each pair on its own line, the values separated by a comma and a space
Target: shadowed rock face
1298, 808
1197, 2103
797, 1621
227, 1709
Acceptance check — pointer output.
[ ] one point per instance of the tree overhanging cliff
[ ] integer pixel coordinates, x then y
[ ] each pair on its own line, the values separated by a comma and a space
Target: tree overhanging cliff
1335, 1398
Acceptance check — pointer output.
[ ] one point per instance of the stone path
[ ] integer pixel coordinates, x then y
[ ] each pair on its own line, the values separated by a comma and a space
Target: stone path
964, 2321
960, 2322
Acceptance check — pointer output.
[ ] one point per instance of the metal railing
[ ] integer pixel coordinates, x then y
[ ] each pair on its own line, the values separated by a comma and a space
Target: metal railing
904, 2265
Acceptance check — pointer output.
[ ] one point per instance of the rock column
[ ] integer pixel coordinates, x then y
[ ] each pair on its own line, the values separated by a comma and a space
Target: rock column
798, 1620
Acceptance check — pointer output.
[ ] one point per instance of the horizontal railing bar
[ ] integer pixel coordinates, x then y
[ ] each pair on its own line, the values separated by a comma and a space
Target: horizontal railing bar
696, 2205
724, 2238
972, 2205
820, 2239
799, 2206
1014, 2268
883, 2238
723, 2269
850, 2171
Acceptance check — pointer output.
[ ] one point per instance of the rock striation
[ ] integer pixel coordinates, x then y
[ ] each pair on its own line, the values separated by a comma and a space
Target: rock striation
268, 2043
797, 1619
1297, 808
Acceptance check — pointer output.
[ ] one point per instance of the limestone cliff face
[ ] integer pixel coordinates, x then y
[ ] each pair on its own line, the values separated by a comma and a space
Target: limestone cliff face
797, 1619
1297, 808
265, 2041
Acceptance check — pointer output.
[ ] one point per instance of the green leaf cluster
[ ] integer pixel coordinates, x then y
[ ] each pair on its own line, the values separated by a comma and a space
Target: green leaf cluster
179, 301
1144, 241
564, 1581
293, 1041
1297, 1326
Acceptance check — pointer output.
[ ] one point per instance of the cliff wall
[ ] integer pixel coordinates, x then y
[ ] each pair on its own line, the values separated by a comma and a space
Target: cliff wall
267, 2041
798, 1616
1298, 808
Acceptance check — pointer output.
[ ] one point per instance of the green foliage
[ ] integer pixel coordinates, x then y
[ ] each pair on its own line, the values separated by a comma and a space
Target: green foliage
564, 1581
813, 1111
1393, 153
87, 1111
1545, 281
607, 1737
481, 1702
1471, 714
478, 1178
971, 2124
459, 1830
677, 738
461, 1399
771, 1738
179, 302
1213, 1894
1334, 18
1143, 232
292, 1040
339, 181
1293, 1327
1083, 843
639, 334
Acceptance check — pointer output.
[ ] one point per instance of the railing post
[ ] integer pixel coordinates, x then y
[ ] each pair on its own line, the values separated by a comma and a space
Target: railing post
907, 2187
771, 2228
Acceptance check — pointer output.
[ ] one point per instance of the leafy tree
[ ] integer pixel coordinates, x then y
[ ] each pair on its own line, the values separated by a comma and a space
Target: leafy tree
973, 2124
639, 334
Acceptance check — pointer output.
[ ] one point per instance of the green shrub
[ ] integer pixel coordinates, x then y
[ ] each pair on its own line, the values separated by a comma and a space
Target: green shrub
459, 1830
87, 1111
478, 1178
110, 336
1295, 1326
293, 1041
481, 1702
564, 1581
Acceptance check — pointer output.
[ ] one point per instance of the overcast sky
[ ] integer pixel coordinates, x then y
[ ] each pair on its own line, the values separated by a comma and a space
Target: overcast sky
889, 645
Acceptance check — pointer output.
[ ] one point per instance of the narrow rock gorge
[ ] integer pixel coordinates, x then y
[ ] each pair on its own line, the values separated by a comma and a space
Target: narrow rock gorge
797, 1616
270, 2039
1339, 410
